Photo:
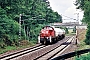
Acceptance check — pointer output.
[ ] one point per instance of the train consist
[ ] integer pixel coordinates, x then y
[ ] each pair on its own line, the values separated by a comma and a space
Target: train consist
50, 34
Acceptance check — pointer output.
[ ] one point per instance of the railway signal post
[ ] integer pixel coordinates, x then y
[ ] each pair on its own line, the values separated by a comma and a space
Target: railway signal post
76, 36
20, 27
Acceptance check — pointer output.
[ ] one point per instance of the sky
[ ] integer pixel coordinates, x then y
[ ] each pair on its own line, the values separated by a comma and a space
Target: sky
66, 8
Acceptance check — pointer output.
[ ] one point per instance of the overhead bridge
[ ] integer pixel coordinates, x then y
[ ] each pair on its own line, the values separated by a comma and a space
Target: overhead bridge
67, 24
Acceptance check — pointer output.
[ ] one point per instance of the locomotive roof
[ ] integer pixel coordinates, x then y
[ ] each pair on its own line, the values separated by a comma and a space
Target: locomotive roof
48, 28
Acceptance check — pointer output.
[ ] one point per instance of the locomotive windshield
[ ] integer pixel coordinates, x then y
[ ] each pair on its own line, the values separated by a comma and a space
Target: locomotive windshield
48, 27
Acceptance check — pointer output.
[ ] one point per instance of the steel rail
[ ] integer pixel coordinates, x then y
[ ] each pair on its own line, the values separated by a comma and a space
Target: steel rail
27, 50
51, 51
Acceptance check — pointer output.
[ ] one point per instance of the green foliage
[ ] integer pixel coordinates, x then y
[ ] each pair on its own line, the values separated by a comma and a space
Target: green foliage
33, 8
35, 31
84, 57
8, 48
8, 27
85, 6
74, 30
87, 13
66, 30
87, 40
80, 4
87, 20
10, 11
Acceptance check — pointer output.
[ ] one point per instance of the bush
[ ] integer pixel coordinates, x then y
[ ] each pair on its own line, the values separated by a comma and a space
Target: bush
87, 40
66, 30
6, 39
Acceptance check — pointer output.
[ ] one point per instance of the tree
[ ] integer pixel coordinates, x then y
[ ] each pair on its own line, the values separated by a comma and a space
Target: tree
8, 29
85, 6
35, 9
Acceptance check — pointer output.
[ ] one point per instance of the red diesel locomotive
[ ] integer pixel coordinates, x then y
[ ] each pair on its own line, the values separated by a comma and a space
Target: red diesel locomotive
50, 34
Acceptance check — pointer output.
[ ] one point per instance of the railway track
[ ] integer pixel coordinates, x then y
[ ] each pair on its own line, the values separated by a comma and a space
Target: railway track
55, 51
21, 52
42, 52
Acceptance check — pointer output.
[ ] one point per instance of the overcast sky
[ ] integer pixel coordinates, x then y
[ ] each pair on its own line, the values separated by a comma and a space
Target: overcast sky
67, 8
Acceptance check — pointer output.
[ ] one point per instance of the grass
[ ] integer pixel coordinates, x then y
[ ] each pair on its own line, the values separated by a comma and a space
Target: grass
84, 57
82, 46
8, 48
70, 34
81, 37
11, 48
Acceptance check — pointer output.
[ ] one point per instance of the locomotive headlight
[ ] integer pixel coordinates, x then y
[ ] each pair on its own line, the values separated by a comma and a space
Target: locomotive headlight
46, 32
47, 37
42, 32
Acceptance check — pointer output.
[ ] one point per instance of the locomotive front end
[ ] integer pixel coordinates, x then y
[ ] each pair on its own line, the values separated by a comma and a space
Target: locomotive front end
46, 35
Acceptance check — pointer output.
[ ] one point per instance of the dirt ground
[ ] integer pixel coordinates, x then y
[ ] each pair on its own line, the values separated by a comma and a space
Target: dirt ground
81, 34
